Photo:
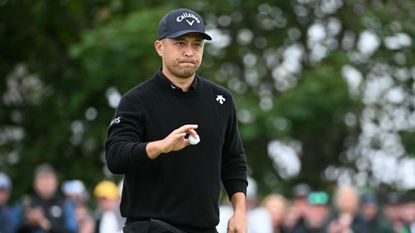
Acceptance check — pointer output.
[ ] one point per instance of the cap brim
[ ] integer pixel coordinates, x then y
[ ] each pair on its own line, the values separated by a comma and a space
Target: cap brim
181, 33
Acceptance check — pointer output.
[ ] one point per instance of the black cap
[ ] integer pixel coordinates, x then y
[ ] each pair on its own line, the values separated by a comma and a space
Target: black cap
179, 22
369, 198
393, 198
301, 190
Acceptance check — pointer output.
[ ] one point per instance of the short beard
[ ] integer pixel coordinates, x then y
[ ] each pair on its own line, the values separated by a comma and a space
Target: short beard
183, 73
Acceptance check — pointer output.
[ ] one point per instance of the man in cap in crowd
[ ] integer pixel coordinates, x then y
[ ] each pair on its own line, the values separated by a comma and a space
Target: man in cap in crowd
407, 212
316, 215
175, 138
370, 211
109, 218
76, 194
7, 221
299, 205
392, 210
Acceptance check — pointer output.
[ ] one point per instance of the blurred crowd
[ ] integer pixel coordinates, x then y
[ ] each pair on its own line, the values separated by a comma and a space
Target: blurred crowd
69, 208
60, 208
312, 211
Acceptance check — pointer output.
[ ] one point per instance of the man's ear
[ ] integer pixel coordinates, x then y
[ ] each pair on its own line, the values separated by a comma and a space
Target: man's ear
158, 45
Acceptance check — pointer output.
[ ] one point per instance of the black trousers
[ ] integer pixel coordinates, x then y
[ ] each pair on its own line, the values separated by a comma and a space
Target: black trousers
150, 226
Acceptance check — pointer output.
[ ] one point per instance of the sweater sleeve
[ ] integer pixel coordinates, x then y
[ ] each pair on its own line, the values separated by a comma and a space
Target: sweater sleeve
125, 147
234, 165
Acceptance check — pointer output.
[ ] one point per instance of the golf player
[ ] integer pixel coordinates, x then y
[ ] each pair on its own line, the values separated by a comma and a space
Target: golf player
171, 183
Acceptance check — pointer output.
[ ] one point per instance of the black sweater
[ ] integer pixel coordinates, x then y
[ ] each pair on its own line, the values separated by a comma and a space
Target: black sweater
181, 188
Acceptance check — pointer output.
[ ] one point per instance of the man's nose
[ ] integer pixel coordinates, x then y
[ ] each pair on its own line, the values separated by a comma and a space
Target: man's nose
188, 50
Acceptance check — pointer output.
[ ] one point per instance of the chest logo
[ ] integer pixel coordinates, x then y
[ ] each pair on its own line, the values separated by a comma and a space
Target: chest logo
220, 99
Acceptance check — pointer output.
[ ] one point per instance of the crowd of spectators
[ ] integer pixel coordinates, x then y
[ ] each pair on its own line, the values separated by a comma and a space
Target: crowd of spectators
60, 208
67, 208
346, 210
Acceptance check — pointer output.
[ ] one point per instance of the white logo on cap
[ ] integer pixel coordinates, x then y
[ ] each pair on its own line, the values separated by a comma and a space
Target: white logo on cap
190, 22
186, 16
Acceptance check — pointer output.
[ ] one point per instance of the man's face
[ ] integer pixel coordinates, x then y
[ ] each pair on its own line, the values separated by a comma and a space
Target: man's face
182, 55
407, 212
392, 211
46, 185
316, 215
348, 201
4, 196
369, 210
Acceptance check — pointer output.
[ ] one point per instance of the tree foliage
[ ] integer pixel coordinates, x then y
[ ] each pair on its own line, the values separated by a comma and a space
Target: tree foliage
306, 74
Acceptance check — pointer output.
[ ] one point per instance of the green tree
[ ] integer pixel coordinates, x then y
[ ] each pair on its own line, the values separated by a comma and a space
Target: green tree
306, 74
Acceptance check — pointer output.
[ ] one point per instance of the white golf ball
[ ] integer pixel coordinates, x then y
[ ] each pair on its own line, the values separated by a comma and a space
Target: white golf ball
193, 140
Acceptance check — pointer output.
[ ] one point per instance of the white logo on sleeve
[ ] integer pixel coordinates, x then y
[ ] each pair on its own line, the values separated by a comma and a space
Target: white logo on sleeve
115, 121
220, 99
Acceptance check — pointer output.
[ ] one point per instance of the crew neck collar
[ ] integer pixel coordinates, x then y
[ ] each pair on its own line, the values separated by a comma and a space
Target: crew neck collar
166, 82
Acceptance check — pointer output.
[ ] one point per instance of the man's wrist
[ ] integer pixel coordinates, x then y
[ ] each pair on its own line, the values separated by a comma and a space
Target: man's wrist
153, 149
239, 203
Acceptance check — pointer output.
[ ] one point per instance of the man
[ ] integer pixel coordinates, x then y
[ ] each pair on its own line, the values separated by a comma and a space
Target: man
346, 217
317, 214
299, 206
45, 211
7, 221
109, 219
277, 207
171, 185
369, 209
392, 211
407, 212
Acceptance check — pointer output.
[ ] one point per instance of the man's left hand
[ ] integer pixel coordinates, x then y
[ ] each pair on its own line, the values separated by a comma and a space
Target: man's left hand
237, 223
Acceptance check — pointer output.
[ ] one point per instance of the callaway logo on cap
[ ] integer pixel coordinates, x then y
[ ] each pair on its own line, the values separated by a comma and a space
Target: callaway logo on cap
179, 22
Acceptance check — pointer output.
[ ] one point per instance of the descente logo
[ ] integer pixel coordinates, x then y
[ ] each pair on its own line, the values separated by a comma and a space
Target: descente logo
186, 15
116, 120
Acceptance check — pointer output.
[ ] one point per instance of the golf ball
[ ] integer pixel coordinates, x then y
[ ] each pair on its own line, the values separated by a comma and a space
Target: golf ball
193, 140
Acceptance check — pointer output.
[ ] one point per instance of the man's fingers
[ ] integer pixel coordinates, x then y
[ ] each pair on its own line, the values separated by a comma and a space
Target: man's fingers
186, 128
179, 136
193, 133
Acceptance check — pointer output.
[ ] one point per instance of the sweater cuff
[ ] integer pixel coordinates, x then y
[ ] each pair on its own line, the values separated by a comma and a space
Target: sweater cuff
234, 186
140, 156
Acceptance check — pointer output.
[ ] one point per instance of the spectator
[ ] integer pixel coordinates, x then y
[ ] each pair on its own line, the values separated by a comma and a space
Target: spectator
86, 223
76, 193
276, 205
74, 190
45, 211
316, 215
291, 217
407, 211
255, 219
392, 210
109, 217
346, 217
369, 210
259, 218
299, 203
7, 221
